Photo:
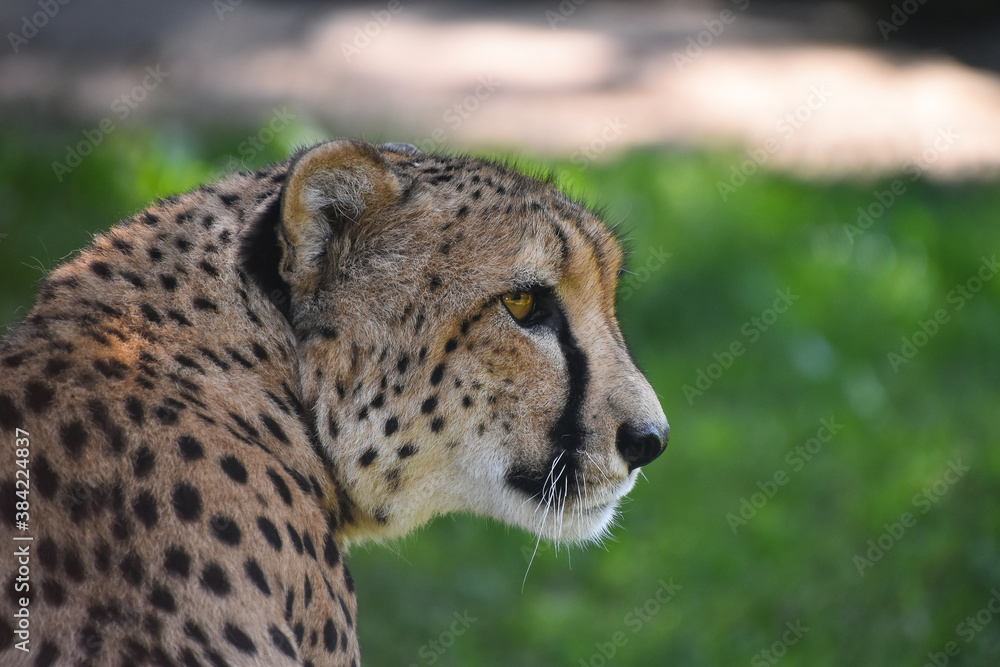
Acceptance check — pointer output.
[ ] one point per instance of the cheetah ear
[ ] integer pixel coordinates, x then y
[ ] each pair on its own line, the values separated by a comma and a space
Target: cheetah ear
330, 191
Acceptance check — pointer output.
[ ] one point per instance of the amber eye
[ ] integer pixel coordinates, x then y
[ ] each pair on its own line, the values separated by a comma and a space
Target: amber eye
520, 304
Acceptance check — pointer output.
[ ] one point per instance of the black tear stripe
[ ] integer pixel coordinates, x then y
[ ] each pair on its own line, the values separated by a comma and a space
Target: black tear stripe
566, 435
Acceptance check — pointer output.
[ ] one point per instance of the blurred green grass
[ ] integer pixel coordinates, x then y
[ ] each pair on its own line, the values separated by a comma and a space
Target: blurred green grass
702, 270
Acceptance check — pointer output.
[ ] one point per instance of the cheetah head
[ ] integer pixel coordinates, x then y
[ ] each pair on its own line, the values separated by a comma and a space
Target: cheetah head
458, 344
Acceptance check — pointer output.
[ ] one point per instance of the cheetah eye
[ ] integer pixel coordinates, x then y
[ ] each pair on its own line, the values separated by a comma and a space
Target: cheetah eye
519, 304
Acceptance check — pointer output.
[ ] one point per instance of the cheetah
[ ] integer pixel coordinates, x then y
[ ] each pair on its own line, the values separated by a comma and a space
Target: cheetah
210, 403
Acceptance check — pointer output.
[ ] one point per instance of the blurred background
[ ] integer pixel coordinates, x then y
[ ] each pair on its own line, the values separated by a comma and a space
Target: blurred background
810, 193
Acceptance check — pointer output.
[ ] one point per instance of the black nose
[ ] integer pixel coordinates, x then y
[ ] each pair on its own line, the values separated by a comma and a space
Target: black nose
641, 444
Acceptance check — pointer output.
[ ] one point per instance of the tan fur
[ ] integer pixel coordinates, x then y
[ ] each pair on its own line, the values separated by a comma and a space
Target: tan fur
257, 373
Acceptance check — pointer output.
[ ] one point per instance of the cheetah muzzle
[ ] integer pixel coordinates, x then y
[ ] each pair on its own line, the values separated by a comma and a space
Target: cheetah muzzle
224, 391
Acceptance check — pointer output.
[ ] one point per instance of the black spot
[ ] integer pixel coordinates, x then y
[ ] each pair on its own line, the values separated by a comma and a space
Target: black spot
259, 351
190, 448
270, 532
53, 367
225, 530
204, 304
179, 318
182, 244
188, 362
450, 345
215, 579
294, 536
155, 254
73, 565
281, 642
73, 437
379, 399
280, 486
391, 426
290, 603
330, 636
91, 639
162, 598
176, 561
38, 396
307, 540
165, 415
10, 416
331, 553
403, 363
368, 457
102, 270
208, 268
275, 428
239, 358
462, 212
135, 410
363, 414
145, 508
132, 569
228, 199
48, 653
187, 502
150, 313
53, 592
437, 374
135, 280
111, 368
466, 401
429, 405
48, 552
194, 631
46, 479
407, 450
143, 461
437, 424
256, 575
102, 557
234, 468
435, 282
235, 636
333, 426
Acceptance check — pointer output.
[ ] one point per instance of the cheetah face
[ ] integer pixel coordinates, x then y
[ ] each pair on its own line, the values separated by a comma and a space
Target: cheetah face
458, 343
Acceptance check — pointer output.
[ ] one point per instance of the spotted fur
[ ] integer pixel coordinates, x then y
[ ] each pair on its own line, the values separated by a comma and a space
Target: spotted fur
226, 390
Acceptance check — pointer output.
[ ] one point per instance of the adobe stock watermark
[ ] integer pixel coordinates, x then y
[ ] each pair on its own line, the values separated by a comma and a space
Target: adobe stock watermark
460, 111
253, 144
121, 108
635, 621
900, 14
641, 274
223, 7
793, 633
785, 128
914, 169
365, 34
31, 24
967, 630
432, 651
562, 13
714, 27
751, 331
587, 153
956, 298
924, 501
796, 459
